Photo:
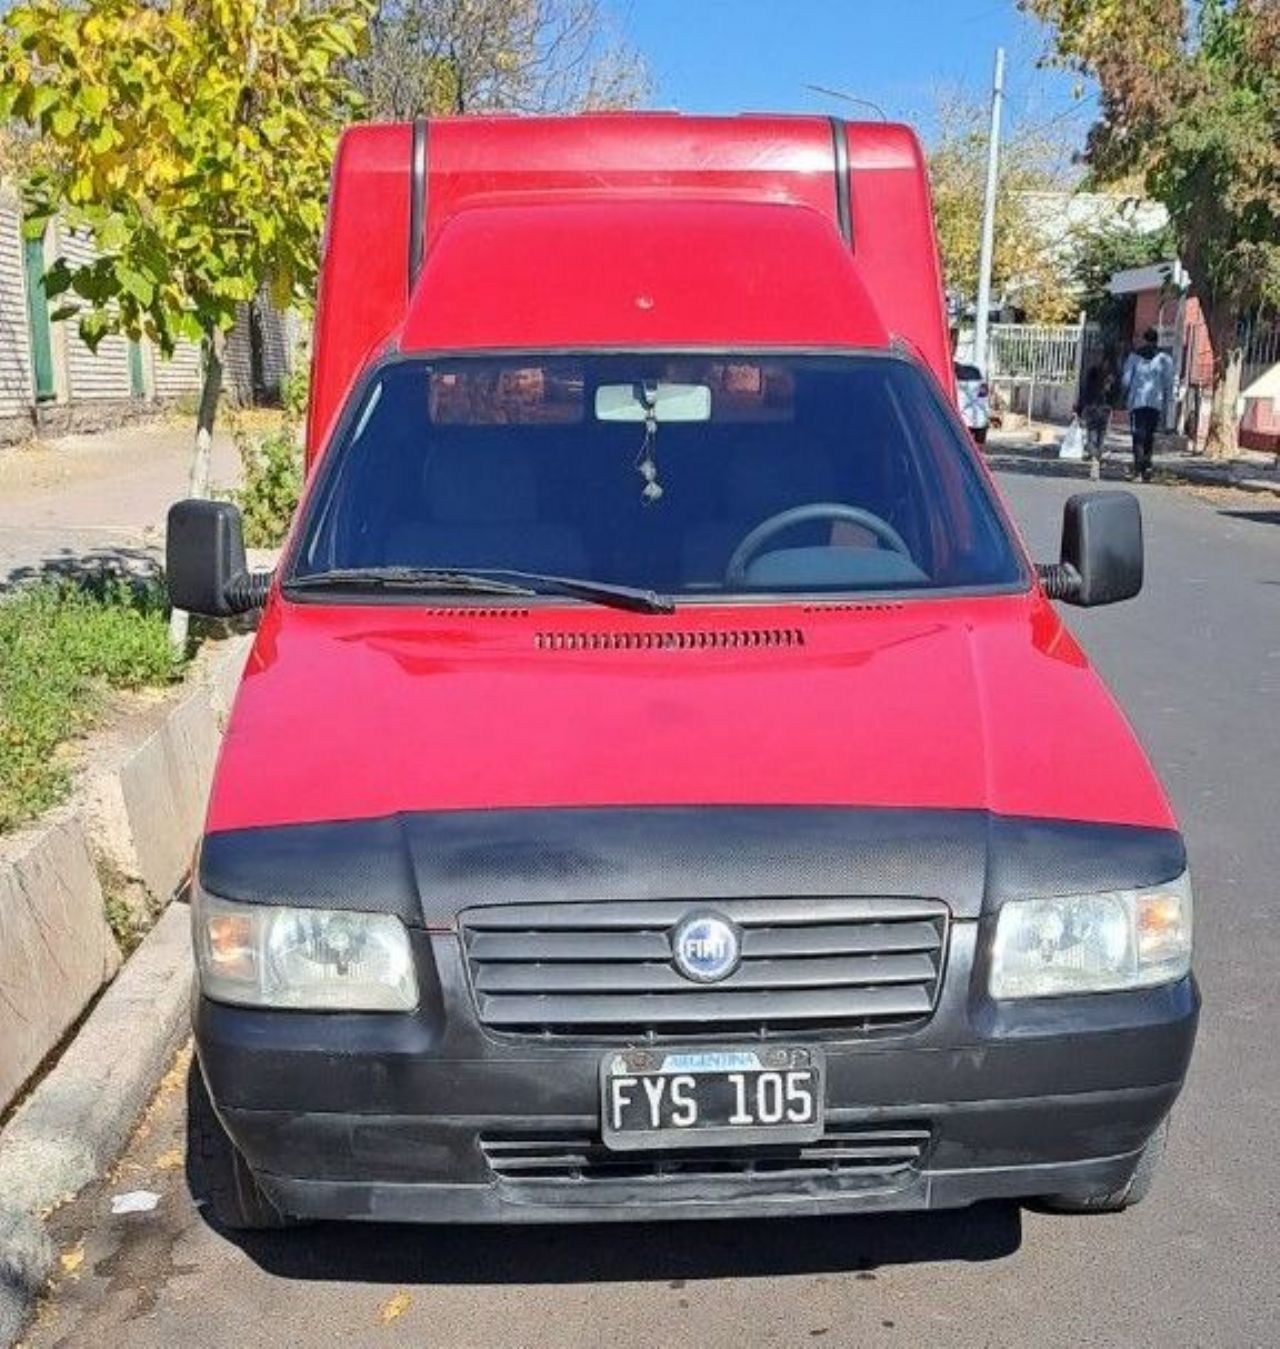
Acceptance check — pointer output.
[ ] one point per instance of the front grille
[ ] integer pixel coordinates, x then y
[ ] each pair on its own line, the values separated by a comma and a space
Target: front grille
607, 968
873, 1152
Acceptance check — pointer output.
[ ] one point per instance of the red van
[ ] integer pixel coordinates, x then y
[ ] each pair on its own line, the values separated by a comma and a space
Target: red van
661, 785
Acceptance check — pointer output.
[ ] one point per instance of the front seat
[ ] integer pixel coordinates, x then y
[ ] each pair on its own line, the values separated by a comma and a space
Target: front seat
479, 508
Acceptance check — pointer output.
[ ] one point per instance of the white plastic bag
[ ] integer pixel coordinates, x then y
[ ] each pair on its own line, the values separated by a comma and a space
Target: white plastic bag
1072, 446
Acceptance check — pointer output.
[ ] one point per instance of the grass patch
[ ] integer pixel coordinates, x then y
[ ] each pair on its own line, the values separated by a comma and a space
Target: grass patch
131, 909
62, 647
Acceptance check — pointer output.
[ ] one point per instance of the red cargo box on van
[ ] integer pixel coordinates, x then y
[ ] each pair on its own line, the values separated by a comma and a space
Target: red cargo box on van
451, 194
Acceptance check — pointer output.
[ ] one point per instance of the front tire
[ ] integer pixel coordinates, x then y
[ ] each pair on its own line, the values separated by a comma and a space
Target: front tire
216, 1172
1132, 1192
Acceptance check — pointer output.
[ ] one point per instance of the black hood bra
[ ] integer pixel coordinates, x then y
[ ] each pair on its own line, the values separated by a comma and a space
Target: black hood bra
428, 867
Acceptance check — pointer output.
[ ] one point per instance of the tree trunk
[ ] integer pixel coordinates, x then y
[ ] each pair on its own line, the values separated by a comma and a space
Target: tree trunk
202, 453
1228, 363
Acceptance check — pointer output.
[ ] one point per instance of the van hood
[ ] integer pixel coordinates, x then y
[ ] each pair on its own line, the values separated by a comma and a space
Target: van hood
358, 712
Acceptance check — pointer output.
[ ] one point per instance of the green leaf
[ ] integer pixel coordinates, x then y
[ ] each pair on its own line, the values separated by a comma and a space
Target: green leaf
93, 328
35, 223
112, 234
43, 97
135, 284
57, 279
104, 138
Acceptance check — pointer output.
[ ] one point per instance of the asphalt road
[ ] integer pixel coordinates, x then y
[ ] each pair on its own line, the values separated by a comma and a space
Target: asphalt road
1196, 661
88, 503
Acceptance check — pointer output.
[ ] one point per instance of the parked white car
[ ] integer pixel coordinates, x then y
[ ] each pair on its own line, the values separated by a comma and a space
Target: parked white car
973, 396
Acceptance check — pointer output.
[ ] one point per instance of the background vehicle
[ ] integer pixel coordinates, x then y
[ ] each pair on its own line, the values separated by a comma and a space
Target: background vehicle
974, 400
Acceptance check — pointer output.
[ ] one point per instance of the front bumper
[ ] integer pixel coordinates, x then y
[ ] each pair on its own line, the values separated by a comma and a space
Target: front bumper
396, 1118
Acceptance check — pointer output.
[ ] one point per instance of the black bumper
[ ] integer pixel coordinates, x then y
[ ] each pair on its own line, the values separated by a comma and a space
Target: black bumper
396, 1118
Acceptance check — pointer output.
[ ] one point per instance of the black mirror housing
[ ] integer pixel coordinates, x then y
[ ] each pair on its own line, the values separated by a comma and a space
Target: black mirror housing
205, 561
1102, 550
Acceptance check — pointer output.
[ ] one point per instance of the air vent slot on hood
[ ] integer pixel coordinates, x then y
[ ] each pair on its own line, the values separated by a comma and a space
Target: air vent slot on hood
475, 611
853, 606
710, 639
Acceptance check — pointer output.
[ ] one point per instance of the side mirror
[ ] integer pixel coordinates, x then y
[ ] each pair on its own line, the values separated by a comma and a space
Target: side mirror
1101, 550
205, 561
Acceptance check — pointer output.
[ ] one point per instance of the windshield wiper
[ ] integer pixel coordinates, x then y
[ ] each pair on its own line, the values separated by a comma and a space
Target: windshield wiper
609, 593
486, 581
412, 578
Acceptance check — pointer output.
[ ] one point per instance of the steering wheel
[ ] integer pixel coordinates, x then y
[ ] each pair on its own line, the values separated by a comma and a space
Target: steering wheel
752, 545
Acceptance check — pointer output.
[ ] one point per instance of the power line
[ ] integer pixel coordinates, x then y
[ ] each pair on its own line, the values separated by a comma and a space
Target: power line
847, 98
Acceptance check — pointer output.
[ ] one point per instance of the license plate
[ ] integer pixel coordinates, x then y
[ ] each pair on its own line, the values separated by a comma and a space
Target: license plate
710, 1098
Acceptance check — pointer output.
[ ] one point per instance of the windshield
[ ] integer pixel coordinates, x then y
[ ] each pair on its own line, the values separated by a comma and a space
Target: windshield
683, 475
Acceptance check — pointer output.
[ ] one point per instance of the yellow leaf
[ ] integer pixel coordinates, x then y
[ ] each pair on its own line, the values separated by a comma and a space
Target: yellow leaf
72, 1260
394, 1308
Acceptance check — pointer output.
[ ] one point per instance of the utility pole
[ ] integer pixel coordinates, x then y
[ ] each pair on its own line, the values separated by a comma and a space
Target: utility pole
989, 220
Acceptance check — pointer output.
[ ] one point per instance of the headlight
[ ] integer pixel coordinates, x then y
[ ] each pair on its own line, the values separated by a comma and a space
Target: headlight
267, 955
1093, 943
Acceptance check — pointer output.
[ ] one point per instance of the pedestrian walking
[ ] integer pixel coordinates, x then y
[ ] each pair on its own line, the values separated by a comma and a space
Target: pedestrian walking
1148, 388
1097, 399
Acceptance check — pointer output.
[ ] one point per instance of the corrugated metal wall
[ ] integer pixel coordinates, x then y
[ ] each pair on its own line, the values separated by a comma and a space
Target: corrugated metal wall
82, 376
16, 393
178, 376
278, 345
237, 362
275, 342
101, 374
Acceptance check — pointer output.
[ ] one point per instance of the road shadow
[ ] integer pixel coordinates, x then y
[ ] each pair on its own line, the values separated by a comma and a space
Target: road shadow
90, 568
633, 1253
1271, 517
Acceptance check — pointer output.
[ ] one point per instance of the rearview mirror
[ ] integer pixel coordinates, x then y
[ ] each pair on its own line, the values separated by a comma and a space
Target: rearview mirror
1102, 553
205, 562
653, 399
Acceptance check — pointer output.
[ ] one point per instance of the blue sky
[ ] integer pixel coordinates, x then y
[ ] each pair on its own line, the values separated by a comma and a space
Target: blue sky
756, 55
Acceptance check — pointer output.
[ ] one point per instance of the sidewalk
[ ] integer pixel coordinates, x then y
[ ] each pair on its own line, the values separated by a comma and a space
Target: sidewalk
97, 500
1249, 471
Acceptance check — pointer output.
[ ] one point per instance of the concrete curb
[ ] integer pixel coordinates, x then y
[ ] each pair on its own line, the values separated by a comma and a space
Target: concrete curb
1007, 456
1038, 444
129, 828
138, 809
56, 950
77, 1120
143, 797
1207, 478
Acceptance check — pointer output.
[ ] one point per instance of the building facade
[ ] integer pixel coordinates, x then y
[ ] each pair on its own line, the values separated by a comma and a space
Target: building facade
51, 381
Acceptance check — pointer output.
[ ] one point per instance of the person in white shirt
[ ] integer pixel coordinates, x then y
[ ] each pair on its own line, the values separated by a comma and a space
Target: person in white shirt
1148, 388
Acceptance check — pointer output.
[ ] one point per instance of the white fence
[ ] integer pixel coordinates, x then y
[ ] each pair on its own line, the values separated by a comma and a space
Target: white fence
1034, 368
1261, 349
1040, 353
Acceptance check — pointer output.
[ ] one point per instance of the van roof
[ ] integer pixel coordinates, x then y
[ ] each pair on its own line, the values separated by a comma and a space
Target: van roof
633, 271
